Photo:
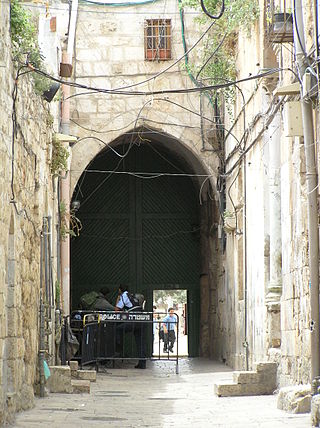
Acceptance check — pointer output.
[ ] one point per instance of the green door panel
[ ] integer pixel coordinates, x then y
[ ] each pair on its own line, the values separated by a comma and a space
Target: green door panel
143, 232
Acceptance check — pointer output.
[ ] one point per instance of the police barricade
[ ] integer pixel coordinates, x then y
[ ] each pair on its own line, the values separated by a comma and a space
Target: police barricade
110, 336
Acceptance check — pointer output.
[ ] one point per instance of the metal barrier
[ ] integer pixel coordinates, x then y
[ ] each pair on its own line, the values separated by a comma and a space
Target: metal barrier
110, 336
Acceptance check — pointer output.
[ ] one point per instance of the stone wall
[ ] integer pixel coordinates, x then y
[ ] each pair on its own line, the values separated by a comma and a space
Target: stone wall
110, 54
26, 196
276, 330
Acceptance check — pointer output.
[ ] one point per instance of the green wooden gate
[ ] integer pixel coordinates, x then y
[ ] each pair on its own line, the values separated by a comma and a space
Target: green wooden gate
142, 232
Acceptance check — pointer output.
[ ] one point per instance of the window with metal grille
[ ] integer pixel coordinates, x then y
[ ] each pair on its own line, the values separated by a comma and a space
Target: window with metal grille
157, 40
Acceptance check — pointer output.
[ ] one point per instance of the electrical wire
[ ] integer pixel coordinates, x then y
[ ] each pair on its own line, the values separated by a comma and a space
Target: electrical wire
122, 4
165, 123
105, 144
120, 161
159, 92
213, 53
209, 14
171, 65
145, 237
257, 138
96, 11
297, 32
144, 175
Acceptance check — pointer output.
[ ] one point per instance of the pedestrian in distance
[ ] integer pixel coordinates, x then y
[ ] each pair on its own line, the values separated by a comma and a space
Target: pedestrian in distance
169, 324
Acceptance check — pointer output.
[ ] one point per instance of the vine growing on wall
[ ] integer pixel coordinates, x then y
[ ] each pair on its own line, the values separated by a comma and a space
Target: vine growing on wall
69, 222
59, 157
222, 40
24, 42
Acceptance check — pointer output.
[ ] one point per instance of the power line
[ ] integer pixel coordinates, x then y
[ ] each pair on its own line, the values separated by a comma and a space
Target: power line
159, 92
144, 175
84, 9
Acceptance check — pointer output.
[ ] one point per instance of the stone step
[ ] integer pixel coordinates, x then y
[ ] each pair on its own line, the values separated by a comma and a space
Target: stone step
245, 377
60, 379
261, 381
226, 389
90, 375
238, 389
80, 386
74, 366
265, 367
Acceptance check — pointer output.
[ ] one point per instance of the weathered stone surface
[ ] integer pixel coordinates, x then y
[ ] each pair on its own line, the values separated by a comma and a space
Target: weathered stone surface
295, 399
80, 386
315, 410
26, 179
74, 366
60, 379
245, 377
260, 382
90, 375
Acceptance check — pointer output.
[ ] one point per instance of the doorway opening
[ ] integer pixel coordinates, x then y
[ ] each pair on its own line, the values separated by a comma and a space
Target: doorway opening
163, 300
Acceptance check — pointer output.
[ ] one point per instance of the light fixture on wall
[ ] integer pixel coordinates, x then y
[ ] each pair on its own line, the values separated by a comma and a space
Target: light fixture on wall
75, 205
51, 92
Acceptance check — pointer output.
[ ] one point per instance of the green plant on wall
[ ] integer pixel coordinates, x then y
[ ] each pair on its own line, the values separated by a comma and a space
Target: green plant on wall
24, 41
238, 15
59, 159
69, 223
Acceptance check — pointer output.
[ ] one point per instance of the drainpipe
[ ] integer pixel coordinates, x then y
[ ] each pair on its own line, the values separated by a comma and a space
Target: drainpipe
41, 344
65, 181
245, 342
65, 198
312, 182
274, 288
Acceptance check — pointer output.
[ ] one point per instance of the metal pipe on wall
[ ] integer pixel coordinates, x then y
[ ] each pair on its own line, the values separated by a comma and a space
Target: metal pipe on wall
50, 257
65, 182
41, 344
65, 199
312, 185
245, 342
46, 273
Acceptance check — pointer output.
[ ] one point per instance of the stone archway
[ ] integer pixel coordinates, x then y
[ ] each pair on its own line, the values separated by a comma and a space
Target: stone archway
117, 206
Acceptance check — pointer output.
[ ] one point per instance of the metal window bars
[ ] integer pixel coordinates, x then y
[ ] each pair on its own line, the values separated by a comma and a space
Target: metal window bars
157, 39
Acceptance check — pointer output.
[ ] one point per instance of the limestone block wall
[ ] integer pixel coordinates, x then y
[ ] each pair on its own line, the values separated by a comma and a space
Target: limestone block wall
293, 349
241, 312
295, 306
109, 53
26, 196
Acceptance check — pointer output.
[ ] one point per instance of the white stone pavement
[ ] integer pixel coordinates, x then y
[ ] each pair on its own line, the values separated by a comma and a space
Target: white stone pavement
156, 397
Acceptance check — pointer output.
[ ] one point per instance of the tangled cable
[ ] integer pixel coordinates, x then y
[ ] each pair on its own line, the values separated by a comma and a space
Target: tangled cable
209, 14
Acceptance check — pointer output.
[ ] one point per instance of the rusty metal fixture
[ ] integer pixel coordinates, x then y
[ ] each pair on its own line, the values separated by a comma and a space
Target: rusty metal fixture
65, 69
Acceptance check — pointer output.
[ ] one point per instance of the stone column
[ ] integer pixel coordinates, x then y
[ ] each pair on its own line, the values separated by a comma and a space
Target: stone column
274, 287
65, 197
204, 283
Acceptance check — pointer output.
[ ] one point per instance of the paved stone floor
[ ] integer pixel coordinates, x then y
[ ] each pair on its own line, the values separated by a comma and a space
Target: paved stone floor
125, 397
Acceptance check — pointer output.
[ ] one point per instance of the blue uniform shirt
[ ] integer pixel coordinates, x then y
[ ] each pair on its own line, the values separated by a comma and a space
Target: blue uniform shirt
170, 321
124, 301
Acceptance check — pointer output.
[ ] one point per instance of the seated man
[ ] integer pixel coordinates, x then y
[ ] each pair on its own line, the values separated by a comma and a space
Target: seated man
169, 324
